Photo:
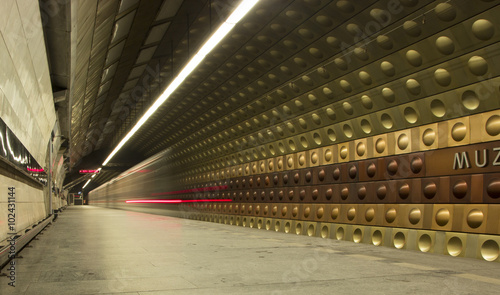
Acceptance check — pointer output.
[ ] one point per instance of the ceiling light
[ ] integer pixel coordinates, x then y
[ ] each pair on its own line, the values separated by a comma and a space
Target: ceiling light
243, 8
86, 183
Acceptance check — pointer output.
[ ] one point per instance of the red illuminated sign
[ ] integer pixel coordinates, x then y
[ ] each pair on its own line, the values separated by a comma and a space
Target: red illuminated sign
89, 171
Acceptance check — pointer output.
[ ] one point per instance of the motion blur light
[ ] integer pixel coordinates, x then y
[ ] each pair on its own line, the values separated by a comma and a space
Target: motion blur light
243, 8
177, 201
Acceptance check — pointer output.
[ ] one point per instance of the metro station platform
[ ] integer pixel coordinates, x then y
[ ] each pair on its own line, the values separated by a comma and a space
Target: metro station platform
91, 250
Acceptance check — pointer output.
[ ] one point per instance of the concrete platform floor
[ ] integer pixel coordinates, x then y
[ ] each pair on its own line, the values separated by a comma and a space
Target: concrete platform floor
91, 250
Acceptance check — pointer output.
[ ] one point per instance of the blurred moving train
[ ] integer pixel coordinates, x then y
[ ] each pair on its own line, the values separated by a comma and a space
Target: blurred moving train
152, 187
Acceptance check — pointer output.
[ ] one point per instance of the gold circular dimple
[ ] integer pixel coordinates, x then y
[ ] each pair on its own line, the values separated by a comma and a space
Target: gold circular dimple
310, 230
361, 53
386, 121
361, 149
347, 131
366, 101
470, 100
290, 162
388, 94
380, 145
346, 86
274, 210
483, 29
343, 152
316, 119
438, 108
320, 212
280, 163
377, 237
490, 250
351, 213
302, 160
277, 225
335, 213
458, 131
295, 211
411, 115
445, 45
365, 77
424, 243
415, 216
340, 233
390, 215
331, 135
317, 138
328, 155
345, 6
403, 141
413, 86
414, 58
445, 11
298, 228
288, 226
387, 68
325, 232
384, 42
454, 246
369, 214
478, 65
284, 210
428, 137
412, 28
365, 126
442, 217
493, 125
314, 158
475, 218
399, 240
307, 211
442, 77
357, 235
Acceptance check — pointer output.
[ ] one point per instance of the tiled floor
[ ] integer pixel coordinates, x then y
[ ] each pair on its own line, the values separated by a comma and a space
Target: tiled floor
91, 250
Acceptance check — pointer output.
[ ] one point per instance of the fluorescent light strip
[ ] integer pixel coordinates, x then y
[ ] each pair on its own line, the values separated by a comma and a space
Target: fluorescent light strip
86, 183
240, 11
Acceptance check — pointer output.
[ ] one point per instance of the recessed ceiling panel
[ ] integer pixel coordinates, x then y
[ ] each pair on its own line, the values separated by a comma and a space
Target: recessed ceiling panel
109, 72
126, 4
145, 55
168, 9
115, 53
130, 84
122, 26
156, 33
137, 71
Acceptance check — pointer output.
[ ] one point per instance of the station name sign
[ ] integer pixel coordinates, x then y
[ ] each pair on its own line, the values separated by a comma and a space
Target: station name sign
89, 171
478, 158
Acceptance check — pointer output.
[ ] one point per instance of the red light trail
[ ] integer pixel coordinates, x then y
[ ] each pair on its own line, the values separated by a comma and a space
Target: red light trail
176, 201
